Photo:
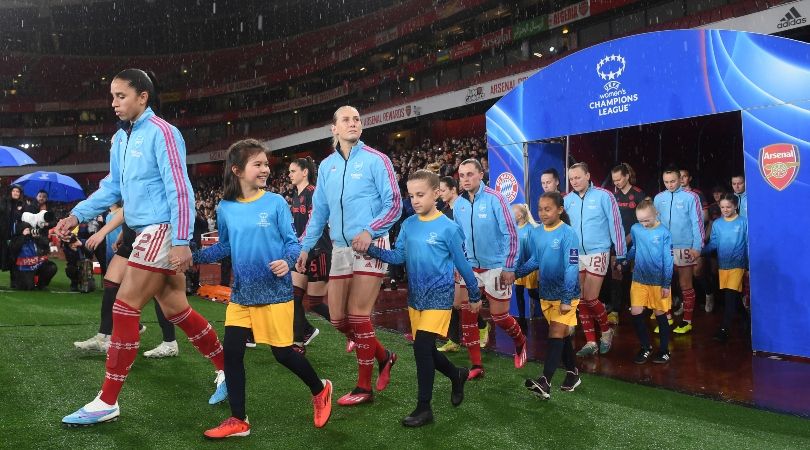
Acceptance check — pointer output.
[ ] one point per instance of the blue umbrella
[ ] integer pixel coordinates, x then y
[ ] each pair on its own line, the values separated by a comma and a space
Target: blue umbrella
60, 188
12, 157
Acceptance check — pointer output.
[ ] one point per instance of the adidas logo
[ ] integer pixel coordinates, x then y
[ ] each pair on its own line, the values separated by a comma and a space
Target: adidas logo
792, 18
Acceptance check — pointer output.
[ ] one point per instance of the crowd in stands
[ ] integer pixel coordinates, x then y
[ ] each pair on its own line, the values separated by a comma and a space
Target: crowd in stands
441, 157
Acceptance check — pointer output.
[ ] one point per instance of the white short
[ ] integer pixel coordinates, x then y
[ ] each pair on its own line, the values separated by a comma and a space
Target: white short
684, 257
489, 280
347, 263
595, 263
150, 251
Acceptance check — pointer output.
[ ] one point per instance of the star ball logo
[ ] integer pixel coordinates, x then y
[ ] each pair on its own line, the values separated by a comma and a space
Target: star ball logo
615, 99
609, 68
507, 185
779, 164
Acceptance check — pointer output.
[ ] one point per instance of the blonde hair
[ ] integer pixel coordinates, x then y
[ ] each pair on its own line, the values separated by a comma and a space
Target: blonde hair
646, 204
433, 167
524, 208
335, 140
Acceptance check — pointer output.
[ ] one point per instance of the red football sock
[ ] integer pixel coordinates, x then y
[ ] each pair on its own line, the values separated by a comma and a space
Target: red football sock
587, 322
201, 335
598, 314
510, 325
470, 335
688, 304
343, 326
124, 345
366, 348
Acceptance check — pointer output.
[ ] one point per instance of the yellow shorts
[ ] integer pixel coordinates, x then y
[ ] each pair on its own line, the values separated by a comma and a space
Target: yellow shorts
529, 281
732, 279
551, 311
648, 296
271, 324
431, 320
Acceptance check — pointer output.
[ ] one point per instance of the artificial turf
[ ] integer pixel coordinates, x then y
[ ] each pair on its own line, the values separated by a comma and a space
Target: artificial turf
164, 402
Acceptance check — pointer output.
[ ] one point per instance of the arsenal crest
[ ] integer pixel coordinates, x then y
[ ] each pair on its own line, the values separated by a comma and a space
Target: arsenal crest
779, 164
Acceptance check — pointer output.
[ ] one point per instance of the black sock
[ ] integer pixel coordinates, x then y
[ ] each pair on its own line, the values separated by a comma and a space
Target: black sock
440, 361
553, 354
569, 357
107, 301
733, 298
641, 330
301, 325
299, 365
234, 346
481, 322
166, 327
663, 332
521, 302
424, 344
454, 332
319, 307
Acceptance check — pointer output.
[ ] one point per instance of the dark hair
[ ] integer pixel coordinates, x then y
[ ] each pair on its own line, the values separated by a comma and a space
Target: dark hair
719, 189
558, 200
580, 165
672, 169
626, 170
739, 175
238, 155
143, 81
450, 182
684, 169
732, 198
474, 162
309, 165
42, 191
553, 172
425, 175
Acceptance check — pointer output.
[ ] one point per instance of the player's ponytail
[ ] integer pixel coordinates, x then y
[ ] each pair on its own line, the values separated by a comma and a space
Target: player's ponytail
309, 165
237, 157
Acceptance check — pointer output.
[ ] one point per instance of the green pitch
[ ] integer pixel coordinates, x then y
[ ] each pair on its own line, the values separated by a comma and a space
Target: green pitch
164, 402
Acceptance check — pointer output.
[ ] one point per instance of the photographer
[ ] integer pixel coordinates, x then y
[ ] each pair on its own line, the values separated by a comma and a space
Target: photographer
33, 269
13, 208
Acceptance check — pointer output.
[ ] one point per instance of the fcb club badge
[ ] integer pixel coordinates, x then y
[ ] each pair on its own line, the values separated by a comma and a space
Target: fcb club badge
779, 164
507, 185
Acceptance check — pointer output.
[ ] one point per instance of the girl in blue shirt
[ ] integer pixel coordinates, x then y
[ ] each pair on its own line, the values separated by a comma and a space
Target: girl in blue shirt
255, 230
554, 251
729, 239
652, 277
431, 246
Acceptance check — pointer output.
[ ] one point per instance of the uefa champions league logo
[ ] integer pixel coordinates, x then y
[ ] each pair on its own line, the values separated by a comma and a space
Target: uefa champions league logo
609, 68
615, 99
